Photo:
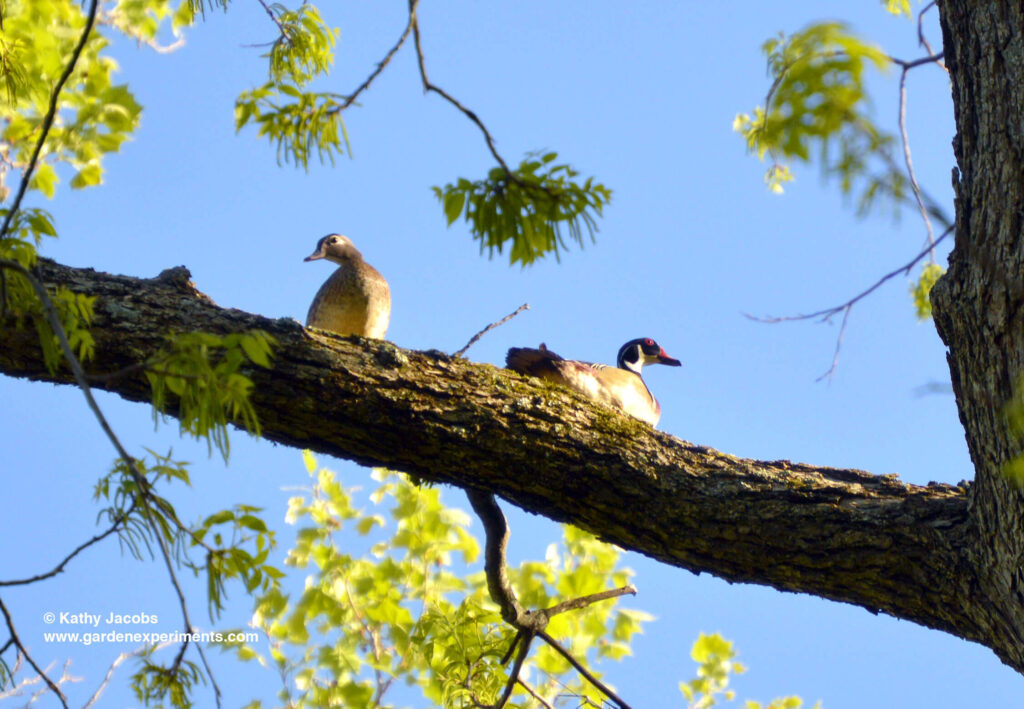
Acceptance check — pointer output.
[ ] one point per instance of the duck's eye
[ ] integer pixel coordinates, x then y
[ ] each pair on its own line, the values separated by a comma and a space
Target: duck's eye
648, 341
334, 240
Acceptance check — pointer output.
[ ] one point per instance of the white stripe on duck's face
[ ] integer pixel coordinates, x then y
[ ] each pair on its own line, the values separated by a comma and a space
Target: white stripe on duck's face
636, 354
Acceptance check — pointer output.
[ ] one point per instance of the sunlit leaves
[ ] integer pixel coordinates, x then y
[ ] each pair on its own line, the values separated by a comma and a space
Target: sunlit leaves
898, 7
715, 658
404, 612
95, 116
202, 374
237, 545
923, 288
535, 208
818, 103
305, 47
301, 125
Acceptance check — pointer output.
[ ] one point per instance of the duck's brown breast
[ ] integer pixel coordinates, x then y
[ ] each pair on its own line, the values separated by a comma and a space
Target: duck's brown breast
355, 300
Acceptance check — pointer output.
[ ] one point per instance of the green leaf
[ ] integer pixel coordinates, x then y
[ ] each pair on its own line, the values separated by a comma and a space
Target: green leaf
91, 174
453, 204
45, 180
921, 290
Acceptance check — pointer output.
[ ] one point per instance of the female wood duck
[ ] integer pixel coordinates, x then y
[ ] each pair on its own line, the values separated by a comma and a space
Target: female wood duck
356, 299
622, 388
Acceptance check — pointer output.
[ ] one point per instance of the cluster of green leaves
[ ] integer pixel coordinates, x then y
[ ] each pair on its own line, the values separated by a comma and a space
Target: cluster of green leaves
818, 98
18, 298
922, 288
95, 117
403, 612
714, 656
156, 682
299, 122
203, 372
529, 206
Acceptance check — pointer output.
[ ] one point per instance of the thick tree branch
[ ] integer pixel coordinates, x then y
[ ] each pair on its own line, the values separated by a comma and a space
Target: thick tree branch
845, 535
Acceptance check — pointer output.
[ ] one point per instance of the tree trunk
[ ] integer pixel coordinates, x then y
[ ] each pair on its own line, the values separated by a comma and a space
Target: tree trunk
845, 535
978, 304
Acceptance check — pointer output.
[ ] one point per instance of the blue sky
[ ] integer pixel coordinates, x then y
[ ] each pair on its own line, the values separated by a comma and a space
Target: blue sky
642, 96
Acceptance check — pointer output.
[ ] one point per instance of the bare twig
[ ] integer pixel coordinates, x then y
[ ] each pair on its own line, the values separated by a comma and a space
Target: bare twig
380, 65
839, 343
584, 601
826, 314
427, 86
910, 164
21, 648
276, 20
583, 670
475, 338
51, 114
922, 40
533, 693
80, 548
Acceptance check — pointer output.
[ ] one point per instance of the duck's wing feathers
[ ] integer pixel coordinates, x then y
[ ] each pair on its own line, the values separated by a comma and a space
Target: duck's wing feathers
616, 387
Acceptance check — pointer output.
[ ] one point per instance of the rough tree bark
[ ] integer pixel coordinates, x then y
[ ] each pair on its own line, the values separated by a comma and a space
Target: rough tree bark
947, 557
841, 534
978, 304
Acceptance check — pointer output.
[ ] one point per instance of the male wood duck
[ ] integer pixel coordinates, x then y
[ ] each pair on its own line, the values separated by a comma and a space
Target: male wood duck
356, 299
622, 388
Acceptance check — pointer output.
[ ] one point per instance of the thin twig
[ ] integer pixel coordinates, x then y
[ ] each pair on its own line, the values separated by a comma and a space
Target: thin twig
21, 648
533, 693
380, 66
605, 689
826, 314
51, 114
839, 343
922, 40
584, 601
513, 675
475, 338
80, 548
427, 86
910, 164
910, 64
276, 20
